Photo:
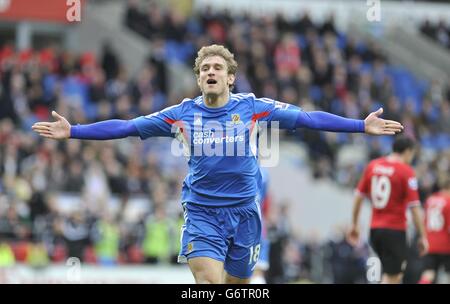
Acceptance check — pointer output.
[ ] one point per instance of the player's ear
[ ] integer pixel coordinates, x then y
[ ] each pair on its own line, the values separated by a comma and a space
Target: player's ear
198, 80
231, 79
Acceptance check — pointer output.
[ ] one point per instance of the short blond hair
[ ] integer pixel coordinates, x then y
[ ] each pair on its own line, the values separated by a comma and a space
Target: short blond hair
216, 50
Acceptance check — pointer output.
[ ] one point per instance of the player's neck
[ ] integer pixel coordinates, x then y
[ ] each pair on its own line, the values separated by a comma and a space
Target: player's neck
216, 101
397, 157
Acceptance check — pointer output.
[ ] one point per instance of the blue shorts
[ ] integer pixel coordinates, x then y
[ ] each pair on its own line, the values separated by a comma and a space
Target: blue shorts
228, 234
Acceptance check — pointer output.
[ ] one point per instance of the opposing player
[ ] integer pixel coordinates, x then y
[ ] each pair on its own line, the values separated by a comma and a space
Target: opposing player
391, 186
218, 131
437, 223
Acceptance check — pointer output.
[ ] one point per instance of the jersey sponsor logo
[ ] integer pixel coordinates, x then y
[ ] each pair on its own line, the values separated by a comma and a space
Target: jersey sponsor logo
208, 137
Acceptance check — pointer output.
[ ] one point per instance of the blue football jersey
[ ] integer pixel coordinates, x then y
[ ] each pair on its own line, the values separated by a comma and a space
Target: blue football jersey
220, 144
263, 182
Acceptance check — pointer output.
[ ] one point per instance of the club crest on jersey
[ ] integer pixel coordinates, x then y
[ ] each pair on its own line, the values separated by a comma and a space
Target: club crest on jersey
236, 119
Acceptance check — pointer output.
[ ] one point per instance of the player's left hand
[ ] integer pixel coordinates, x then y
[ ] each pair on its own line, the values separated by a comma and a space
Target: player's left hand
378, 126
423, 246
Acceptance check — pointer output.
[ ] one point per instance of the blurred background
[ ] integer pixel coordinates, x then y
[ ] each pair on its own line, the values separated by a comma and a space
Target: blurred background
114, 205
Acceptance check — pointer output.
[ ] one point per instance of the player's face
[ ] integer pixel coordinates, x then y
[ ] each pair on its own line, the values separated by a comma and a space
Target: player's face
214, 78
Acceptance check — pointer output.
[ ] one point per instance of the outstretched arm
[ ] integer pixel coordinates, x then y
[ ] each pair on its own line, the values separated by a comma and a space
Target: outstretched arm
108, 129
325, 121
353, 235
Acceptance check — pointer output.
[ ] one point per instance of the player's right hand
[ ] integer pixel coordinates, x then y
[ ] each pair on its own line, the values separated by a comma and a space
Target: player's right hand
59, 129
353, 236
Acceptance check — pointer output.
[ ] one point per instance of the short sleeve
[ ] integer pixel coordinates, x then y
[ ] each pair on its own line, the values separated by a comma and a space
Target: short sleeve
412, 187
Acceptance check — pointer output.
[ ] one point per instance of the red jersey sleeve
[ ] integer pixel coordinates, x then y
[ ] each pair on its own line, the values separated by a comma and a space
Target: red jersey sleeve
412, 186
447, 215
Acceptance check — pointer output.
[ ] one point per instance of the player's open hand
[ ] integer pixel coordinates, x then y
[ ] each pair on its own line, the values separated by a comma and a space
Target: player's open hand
59, 129
378, 126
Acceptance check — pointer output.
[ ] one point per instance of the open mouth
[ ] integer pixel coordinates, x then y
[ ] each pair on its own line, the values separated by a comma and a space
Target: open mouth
211, 81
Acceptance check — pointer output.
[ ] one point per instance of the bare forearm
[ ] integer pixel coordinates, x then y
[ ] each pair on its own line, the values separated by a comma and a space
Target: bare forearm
417, 217
356, 209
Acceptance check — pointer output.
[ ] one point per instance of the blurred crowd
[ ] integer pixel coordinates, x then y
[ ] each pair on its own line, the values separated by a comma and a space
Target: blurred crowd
56, 197
297, 61
439, 32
